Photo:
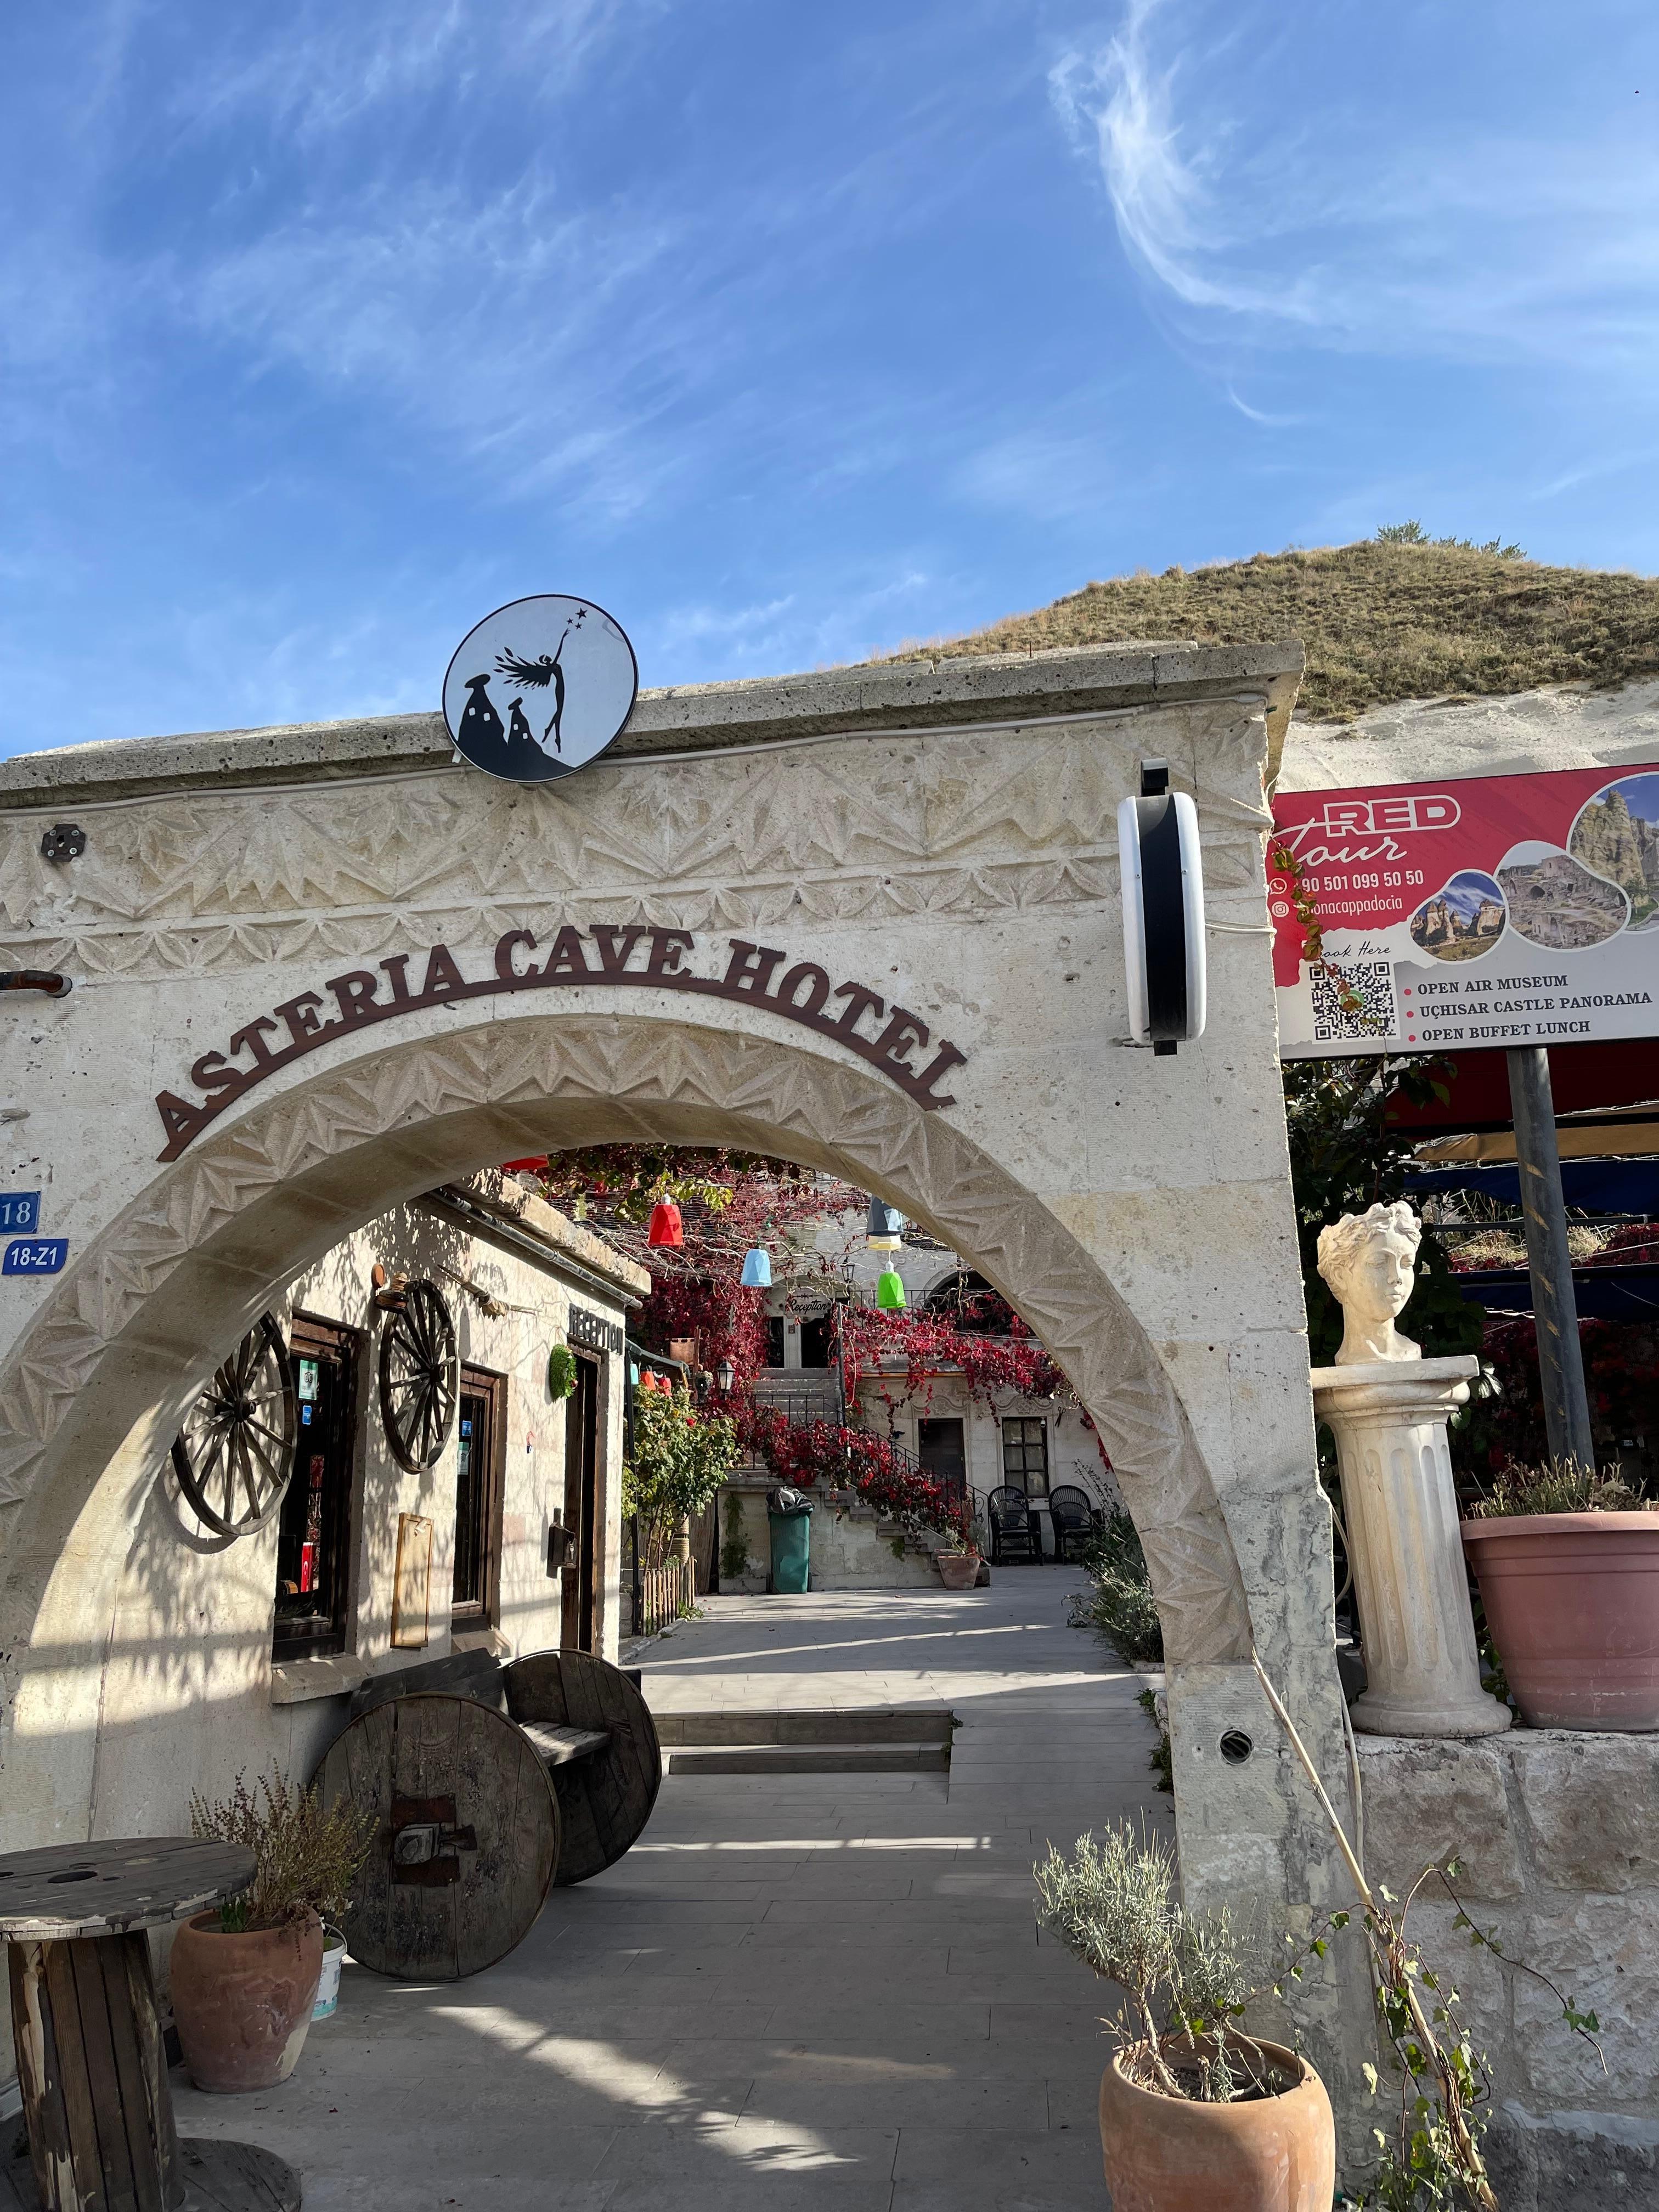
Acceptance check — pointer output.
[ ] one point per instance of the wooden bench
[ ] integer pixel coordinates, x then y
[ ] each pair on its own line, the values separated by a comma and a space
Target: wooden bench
440, 1752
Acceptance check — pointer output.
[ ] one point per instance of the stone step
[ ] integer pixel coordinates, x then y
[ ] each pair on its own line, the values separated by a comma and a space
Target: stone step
826, 1724
810, 1758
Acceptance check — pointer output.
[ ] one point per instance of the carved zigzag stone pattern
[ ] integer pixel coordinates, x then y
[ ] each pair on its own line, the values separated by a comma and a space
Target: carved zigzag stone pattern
840, 832
550, 1076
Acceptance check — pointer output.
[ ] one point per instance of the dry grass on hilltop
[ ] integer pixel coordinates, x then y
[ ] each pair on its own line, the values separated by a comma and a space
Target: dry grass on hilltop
1379, 621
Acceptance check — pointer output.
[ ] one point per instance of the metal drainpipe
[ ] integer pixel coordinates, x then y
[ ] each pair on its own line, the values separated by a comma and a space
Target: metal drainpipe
36, 979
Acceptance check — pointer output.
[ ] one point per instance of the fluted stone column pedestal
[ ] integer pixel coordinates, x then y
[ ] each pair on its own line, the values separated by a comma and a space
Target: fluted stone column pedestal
1422, 1675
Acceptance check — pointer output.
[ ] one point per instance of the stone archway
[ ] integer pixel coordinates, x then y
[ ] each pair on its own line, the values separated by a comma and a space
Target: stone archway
89, 1397
340, 968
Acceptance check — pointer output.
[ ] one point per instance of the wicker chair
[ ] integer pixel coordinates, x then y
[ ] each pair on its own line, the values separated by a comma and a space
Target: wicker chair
1012, 1536
1074, 1518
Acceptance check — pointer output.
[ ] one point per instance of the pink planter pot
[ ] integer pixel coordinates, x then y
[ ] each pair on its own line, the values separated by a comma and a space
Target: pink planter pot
957, 1571
1572, 1601
242, 2003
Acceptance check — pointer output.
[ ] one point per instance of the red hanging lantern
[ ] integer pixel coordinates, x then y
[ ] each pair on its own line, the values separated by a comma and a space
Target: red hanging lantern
666, 1224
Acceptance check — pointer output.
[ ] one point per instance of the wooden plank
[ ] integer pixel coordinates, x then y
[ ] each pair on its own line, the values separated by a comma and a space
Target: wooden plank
419, 1736
411, 1590
157, 2090
111, 2120
236, 2176
558, 1747
82, 2122
40, 2074
100, 1889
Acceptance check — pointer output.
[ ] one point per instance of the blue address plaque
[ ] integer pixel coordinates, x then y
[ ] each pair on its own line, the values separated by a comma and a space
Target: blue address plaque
35, 1256
20, 1212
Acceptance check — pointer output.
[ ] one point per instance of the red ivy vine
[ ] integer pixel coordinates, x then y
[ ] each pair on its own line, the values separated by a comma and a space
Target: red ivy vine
826, 1455
1313, 930
931, 1345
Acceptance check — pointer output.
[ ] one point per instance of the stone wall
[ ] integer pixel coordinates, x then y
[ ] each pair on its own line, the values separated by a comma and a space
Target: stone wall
852, 1544
1557, 1835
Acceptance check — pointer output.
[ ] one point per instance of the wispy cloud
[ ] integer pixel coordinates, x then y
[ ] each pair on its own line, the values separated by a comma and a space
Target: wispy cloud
1362, 233
316, 69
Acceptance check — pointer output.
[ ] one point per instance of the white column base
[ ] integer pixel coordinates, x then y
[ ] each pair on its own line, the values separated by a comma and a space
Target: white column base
1423, 1672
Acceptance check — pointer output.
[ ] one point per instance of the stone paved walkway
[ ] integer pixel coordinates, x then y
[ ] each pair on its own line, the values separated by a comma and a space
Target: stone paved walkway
821, 1991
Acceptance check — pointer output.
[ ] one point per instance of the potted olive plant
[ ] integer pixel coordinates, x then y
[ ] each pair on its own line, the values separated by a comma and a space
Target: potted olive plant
245, 1975
1195, 2114
1568, 1564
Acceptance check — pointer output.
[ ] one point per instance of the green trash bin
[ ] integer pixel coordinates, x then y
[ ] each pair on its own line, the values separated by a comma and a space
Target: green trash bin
789, 1515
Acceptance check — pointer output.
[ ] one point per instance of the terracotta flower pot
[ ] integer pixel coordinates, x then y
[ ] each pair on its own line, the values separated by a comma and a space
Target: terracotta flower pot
1263, 2155
957, 1571
1572, 1601
242, 2003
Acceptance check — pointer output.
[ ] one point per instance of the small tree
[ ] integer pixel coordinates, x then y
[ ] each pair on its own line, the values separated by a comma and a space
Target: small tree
677, 1464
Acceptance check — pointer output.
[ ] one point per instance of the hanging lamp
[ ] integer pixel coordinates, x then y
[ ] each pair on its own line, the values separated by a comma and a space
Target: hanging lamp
884, 1230
667, 1227
889, 1291
757, 1269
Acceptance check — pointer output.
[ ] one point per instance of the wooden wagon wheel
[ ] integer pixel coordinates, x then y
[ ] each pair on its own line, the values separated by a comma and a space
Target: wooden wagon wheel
468, 1840
235, 1453
420, 1376
605, 1799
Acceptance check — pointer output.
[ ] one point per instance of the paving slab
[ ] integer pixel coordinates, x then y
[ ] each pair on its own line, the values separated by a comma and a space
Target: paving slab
802, 1993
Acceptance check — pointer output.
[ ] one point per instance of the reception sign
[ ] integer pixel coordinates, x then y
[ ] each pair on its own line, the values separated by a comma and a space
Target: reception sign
1488, 911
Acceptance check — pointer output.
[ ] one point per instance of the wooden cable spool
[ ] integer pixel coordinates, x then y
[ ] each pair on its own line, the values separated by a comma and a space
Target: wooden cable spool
468, 1840
606, 1795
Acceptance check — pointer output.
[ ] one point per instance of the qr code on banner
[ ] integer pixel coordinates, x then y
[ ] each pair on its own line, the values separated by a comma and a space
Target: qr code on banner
1367, 987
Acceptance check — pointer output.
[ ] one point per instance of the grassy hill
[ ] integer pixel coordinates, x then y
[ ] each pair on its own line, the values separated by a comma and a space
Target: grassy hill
1380, 622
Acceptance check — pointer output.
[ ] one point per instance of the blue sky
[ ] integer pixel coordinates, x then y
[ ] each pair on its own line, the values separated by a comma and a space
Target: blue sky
786, 332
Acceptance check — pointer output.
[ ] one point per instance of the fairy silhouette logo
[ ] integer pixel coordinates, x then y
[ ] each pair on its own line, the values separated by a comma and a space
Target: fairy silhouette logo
540, 688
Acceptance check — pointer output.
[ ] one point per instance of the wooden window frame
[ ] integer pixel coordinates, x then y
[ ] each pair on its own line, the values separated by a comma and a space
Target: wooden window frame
308, 1335
486, 1611
1020, 1478
582, 1573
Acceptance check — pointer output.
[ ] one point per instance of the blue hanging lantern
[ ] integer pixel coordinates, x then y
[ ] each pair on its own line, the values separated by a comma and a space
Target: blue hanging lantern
884, 1232
889, 1291
757, 1269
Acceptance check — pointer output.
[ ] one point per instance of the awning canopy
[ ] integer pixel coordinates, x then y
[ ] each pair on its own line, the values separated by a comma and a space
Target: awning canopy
1629, 1293
1592, 1186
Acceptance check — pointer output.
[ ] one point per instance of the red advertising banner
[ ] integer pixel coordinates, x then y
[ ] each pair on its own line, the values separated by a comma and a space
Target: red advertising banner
1484, 911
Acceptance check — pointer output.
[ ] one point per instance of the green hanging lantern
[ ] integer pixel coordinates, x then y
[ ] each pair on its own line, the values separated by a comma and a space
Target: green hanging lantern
560, 1372
889, 1291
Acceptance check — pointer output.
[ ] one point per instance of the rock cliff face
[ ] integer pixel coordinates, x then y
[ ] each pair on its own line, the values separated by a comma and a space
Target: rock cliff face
1556, 903
1621, 845
1440, 928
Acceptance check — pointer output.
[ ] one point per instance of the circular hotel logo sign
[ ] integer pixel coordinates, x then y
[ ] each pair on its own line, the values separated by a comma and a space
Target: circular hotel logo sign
540, 688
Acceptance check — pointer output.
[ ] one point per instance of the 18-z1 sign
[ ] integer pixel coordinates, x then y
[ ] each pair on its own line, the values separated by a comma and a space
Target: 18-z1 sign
540, 688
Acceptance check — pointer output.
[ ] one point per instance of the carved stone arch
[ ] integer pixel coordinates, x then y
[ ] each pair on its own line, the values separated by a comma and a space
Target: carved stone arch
101, 1377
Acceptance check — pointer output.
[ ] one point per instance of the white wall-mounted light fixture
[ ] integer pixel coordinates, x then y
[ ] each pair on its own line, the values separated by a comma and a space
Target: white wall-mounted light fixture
1162, 877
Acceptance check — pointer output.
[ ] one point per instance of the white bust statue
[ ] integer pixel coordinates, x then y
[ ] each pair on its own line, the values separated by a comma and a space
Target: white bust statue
1370, 1261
